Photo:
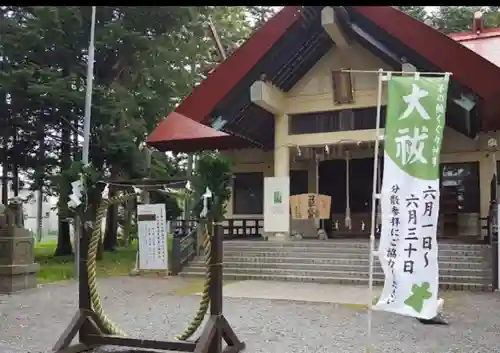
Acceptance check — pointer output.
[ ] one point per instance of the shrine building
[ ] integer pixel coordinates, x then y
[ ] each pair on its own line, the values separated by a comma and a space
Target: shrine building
299, 99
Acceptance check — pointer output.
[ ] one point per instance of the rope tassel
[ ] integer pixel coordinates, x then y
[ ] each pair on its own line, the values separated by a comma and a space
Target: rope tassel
94, 241
205, 298
348, 220
95, 298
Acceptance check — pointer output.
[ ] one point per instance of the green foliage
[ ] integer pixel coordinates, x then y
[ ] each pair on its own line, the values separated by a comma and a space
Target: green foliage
450, 19
417, 12
146, 60
164, 166
261, 14
171, 205
61, 268
213, 170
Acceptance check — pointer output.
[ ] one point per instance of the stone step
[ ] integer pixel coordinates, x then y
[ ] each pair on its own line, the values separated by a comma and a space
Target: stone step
309, 262
352, 253
462, 252
446, 275
230, 276
339, 244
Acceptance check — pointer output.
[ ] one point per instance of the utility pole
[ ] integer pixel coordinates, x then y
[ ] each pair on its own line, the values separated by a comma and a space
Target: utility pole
86, 130
216, 38
190, 157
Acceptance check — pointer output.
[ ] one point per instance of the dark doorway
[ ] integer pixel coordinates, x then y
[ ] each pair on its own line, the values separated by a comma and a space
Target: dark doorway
459, 195
332, 182
299, 182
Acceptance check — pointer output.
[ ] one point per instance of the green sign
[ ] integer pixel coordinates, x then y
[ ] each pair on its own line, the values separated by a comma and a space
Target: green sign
277, 197
408, 247
415, 123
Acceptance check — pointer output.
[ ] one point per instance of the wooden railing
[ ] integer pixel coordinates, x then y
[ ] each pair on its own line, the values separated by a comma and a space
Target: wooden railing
241, 228
183, 250
183, 226
234, 228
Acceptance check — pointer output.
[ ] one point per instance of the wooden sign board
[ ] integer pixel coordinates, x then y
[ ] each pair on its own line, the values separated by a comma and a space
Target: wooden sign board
310, 206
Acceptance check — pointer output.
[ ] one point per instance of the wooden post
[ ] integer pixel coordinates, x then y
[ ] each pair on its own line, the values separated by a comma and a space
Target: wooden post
146, 199
217, 327
84, 302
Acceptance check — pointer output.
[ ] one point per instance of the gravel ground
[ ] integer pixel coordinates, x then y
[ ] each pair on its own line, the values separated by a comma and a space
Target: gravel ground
32, 321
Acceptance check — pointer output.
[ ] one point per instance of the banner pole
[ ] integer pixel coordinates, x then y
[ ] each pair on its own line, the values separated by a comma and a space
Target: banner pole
397, 72
375, 199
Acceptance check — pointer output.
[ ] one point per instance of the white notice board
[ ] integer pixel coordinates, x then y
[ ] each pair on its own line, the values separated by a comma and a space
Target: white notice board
152, 233
277, 204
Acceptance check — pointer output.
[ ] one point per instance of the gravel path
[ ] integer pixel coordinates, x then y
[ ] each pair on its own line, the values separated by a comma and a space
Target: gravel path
32, 321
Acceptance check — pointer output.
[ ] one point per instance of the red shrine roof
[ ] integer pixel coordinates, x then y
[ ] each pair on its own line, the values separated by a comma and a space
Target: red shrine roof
485, 43
178, 133
472, 68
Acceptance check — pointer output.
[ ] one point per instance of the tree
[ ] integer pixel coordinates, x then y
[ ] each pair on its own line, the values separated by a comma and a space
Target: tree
213, 171
45, 50
147, 59
418, 12
451, 19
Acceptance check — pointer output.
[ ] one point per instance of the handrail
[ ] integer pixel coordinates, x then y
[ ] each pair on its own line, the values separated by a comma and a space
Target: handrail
183, 250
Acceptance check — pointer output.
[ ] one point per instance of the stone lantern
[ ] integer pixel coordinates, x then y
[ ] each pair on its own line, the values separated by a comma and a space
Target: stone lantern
18, 271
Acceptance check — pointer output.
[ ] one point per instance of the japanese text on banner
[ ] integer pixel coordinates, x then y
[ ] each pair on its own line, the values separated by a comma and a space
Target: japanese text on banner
410, 195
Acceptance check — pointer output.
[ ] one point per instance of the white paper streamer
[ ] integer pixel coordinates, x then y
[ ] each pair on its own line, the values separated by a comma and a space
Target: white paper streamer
75, 199
105, 192
207, 195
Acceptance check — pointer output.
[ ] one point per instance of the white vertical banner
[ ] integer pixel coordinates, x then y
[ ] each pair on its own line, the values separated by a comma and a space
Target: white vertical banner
152, 233
277, 204
408, 248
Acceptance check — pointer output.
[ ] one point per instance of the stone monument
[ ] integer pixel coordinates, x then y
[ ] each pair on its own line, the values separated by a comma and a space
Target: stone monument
18, 271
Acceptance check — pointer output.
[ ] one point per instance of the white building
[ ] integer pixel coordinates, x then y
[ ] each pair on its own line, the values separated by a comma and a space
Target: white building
49, 211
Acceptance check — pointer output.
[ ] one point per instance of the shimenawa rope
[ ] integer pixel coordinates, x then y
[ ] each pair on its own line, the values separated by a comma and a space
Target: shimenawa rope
96, 236
205, 298
95, 298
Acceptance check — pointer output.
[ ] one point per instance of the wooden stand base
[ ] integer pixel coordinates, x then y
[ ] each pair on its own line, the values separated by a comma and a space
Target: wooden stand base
93, 335
210, 340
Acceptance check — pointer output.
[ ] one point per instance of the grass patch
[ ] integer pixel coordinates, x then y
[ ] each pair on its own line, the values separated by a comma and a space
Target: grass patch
60, 268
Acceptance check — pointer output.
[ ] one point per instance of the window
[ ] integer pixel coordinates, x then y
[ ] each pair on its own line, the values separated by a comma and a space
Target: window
340, 120
464, 179
248, 193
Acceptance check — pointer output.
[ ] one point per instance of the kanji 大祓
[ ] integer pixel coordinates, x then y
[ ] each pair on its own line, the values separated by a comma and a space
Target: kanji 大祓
410, 195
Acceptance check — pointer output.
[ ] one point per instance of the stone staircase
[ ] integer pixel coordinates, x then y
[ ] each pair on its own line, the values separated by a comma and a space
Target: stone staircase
461, 266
